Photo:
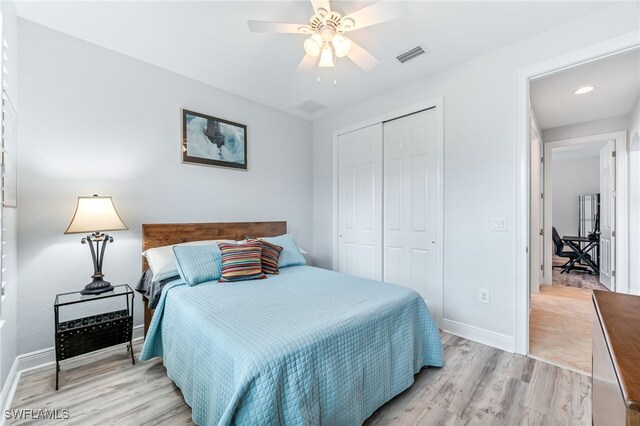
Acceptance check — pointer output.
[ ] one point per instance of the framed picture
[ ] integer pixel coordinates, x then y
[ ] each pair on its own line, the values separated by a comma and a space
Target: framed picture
213, 141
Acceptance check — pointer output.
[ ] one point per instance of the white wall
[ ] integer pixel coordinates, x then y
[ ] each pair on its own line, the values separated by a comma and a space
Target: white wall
8, 329
480, 164
634, 199
95, 121
595, 127
572, 177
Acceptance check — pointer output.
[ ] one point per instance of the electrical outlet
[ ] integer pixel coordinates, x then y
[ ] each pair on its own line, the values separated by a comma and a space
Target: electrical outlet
484, 296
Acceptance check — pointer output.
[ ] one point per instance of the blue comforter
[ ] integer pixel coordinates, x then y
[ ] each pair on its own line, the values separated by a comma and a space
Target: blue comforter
306, 347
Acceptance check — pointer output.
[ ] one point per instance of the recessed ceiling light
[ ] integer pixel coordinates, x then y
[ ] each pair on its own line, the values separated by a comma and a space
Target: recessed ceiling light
583, 90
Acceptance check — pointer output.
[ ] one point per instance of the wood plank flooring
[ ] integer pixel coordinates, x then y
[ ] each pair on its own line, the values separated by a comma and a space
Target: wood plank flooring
478, 385
560, 326
574, 278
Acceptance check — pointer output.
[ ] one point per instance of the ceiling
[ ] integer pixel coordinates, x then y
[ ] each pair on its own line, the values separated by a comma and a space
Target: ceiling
617, 87
210, 41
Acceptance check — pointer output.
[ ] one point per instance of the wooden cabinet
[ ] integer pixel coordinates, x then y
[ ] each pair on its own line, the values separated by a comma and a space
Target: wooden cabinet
616, 359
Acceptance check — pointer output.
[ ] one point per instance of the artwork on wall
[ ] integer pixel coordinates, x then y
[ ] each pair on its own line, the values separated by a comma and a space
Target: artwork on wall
9, 154
213, 141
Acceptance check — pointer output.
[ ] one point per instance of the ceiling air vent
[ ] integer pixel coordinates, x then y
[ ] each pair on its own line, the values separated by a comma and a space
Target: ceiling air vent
410, 54
309, 106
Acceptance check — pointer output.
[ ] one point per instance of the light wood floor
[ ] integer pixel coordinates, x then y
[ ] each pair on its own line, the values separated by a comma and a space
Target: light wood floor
574, 278
477, 385
560, 326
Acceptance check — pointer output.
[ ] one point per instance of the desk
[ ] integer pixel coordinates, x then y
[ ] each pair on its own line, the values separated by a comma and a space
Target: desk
584, 256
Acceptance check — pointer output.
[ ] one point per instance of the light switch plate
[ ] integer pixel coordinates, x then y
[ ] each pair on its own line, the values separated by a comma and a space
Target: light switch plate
499, 224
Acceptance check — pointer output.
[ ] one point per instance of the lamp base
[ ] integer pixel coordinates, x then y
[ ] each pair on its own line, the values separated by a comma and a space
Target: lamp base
97, 286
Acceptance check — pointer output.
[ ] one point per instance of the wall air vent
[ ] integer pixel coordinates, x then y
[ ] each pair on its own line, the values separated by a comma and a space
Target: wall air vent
412, 53
310, 106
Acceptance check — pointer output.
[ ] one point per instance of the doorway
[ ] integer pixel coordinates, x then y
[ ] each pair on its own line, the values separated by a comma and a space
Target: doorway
561, 309
579, 190
524, 76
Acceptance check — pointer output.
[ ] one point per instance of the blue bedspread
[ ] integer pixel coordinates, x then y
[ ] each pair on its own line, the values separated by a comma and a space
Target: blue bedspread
306, 347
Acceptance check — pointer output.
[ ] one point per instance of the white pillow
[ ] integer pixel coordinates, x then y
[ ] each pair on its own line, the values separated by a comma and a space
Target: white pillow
162, 261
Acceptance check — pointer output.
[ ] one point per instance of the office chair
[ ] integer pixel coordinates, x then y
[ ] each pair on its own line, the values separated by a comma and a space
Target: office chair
558, 244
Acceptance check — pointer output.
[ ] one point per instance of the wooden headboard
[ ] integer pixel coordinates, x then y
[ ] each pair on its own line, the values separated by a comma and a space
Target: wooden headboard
165, 234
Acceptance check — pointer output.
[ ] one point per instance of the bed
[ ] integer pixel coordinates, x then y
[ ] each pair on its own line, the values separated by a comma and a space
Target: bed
307, 346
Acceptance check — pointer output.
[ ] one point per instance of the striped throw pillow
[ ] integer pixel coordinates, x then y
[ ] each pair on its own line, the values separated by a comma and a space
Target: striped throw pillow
241, 262
269, 258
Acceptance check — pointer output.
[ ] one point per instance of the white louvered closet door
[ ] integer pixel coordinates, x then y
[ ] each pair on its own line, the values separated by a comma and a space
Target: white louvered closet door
360, 202
410, 202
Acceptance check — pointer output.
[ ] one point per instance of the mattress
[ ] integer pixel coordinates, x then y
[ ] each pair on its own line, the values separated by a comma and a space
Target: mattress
306, 347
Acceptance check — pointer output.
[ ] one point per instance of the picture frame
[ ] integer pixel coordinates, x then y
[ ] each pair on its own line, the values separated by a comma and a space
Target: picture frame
213, 141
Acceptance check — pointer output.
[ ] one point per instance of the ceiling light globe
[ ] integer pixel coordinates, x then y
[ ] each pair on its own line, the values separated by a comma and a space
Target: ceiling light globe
342, 45
326, 58
311, 47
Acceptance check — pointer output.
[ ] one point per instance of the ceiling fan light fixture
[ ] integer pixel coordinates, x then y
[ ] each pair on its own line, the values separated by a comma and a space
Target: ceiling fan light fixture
327, 33
347, 24
325, 23
322, 12
341, 45
326, 57
312, 47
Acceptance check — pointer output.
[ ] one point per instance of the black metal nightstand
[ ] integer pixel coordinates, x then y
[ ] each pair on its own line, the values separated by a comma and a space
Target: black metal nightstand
90, 333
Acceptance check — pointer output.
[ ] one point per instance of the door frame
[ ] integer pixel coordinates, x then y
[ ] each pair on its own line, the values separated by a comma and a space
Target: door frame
621, 283
523, 76
438, 104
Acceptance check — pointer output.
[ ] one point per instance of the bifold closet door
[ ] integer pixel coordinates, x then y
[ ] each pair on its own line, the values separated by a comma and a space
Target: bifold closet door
360, 202
410, 202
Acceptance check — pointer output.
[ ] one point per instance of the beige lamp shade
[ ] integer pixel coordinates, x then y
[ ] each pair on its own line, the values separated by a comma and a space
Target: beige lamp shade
95, 214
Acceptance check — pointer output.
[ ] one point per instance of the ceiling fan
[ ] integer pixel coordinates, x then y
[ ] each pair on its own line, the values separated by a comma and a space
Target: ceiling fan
327, 29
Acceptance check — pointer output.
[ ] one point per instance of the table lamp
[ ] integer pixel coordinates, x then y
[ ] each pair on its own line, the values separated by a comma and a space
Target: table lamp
95, 215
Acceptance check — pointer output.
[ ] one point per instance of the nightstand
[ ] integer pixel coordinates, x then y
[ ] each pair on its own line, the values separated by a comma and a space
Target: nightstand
89, 330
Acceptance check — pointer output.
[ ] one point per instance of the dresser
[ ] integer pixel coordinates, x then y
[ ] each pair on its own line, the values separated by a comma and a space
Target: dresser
616, 359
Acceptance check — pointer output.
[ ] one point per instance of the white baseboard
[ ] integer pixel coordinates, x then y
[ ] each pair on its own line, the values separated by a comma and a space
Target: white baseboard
36, 359
9, 388
31, 361
480, 335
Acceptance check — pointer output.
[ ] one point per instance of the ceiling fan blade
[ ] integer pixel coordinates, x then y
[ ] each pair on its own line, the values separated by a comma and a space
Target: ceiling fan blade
306, 64
362, 58
274, 27
381, 11
321, 4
